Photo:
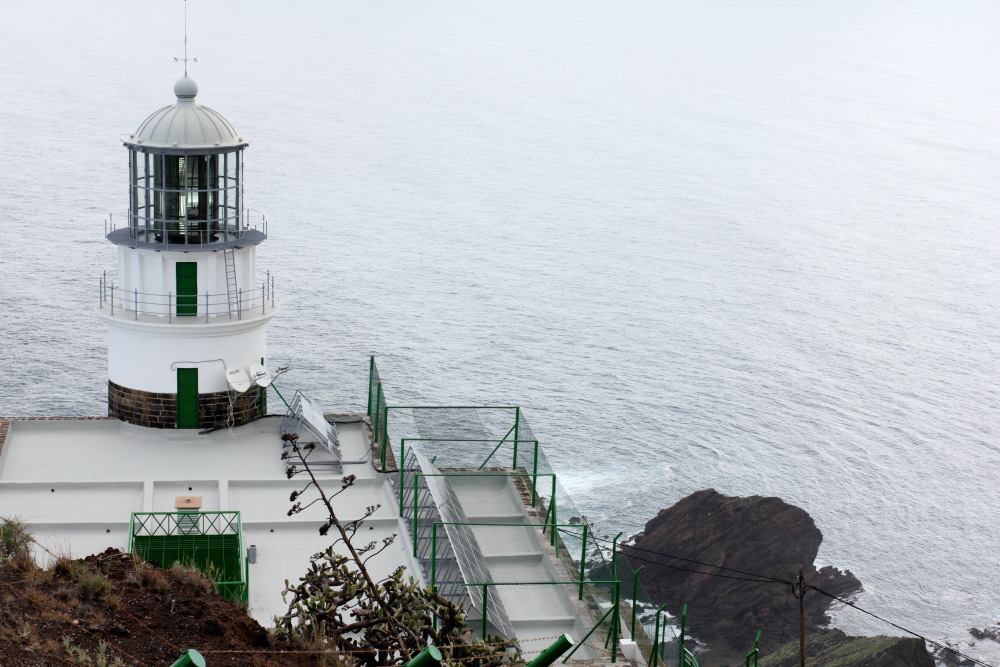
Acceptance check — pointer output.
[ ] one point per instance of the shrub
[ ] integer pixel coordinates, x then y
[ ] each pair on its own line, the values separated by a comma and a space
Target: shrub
15, 543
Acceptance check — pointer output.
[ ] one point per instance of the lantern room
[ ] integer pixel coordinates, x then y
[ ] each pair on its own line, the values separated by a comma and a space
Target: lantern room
185, 177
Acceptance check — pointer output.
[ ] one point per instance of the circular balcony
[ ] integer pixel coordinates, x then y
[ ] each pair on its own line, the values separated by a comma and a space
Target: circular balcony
244, 304
247, 227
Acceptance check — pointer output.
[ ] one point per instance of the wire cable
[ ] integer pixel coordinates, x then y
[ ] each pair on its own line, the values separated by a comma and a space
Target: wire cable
758, 577
767, 580
900, 627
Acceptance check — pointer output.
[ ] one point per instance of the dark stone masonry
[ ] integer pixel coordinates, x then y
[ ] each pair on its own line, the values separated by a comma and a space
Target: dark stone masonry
146, 408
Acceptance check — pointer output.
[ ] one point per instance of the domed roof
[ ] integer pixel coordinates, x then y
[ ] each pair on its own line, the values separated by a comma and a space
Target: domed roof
186, 124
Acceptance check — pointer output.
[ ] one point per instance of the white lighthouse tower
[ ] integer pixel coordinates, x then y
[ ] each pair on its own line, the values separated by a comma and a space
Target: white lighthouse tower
188, 311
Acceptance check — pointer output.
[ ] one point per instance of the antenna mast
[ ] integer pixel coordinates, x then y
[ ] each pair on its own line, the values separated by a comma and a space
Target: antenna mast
185, 58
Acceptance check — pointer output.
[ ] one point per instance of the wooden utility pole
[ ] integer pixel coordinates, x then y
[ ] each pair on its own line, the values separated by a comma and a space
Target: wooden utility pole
802, 617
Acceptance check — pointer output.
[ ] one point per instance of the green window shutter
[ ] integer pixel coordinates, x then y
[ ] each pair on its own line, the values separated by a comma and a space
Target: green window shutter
187, 398
187, 288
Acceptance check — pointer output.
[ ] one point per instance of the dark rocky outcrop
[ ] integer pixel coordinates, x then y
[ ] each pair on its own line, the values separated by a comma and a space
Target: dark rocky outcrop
832, 648
755, 535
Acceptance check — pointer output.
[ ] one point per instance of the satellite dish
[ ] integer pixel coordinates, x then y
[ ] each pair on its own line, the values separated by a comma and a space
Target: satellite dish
259, 375
238, 379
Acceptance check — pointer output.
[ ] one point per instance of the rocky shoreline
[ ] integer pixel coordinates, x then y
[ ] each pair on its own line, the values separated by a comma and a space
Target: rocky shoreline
709, 551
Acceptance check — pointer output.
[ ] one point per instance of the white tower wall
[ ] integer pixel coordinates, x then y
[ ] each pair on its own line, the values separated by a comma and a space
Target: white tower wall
145, 356
149, 278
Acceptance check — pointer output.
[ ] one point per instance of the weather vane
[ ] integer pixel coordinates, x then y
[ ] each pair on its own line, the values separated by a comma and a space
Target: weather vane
185, 59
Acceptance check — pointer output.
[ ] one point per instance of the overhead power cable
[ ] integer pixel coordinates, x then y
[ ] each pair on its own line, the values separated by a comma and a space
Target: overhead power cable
766, 580
759, 577
752, 576
900, 627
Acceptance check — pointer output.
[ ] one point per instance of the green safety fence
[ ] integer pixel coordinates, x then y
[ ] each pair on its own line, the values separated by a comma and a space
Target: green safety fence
542, 608
495, 439
211, 541
419, 500
640, 615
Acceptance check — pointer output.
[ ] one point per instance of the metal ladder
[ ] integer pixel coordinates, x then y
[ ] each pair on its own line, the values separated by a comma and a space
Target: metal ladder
230, 257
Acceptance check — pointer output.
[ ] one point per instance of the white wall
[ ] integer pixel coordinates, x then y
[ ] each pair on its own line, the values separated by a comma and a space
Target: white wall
154, 275
145, 356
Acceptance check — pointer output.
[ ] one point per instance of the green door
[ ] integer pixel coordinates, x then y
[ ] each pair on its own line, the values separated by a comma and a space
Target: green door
187, 288
187, 398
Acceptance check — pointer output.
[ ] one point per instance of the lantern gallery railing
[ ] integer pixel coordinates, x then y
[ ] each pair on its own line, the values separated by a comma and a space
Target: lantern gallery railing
233, 226
186, 308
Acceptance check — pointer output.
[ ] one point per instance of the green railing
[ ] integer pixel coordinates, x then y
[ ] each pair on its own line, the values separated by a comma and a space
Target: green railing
211, 541
643, 622
480, 438
546, 525
606, 623
754, 653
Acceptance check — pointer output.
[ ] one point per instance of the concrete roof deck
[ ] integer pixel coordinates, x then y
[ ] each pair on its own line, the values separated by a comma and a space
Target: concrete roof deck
76, 483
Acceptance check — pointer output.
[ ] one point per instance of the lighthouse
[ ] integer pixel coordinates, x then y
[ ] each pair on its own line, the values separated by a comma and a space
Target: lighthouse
188, 307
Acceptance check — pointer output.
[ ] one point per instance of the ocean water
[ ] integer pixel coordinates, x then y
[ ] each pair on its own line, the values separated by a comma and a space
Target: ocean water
743, 245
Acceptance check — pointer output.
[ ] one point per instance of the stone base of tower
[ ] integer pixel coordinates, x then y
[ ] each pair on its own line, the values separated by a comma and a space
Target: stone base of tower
145, 408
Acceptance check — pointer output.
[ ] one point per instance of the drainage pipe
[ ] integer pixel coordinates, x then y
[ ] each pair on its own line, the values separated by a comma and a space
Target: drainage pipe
549, 655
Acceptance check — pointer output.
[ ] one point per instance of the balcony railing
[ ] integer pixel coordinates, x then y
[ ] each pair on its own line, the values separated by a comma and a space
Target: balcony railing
136, 231
172, 308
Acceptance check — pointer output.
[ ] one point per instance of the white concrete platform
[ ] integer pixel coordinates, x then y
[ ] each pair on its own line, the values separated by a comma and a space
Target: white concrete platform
76, 483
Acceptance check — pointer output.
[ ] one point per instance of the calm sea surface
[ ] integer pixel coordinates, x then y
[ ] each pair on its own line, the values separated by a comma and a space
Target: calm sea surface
743, 245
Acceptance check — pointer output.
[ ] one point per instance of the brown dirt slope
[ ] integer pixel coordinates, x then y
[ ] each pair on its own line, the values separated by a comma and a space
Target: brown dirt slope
145, 615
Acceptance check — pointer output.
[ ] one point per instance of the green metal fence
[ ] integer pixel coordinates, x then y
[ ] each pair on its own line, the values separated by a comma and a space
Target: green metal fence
500, 440
212, 541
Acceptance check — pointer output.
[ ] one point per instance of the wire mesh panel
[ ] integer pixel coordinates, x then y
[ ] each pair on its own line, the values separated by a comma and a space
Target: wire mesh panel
211, 541
462, 423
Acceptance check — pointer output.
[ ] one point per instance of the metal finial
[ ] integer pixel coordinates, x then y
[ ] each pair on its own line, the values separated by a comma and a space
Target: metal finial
185, 59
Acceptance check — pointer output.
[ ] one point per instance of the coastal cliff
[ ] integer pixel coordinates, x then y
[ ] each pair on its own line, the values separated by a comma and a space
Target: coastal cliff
750, 536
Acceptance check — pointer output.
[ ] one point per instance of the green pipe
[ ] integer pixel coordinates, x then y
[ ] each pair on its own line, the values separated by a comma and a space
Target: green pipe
416, 509
614, 556
502, 440
555, 538
755, 653
371, 376
549, 655
517, 425
583, 560
586, 636
381, 427
655, 653
280, 396
534, 481
189, 657
384, 428
635, 593
429, 657
402, 473
614, 625
680, 640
